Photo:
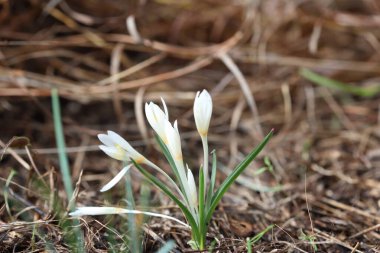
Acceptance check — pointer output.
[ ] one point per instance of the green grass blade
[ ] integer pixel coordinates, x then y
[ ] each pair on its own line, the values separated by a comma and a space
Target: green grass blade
134, 233
168, 192
144, 200
74, 235
368, 91
59, 137
249, 246
257, 237
232, 177
129, 191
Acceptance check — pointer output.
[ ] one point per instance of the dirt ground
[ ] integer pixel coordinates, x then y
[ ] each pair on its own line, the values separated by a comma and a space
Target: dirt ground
257, 60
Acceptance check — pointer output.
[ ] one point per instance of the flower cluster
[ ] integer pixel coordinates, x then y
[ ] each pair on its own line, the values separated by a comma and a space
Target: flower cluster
196, 203
118, 148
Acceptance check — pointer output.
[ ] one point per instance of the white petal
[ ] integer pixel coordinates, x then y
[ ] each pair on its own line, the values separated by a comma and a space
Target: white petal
93, 210
117, 139
131, 152
149, 113
116, 179
192, 186
156, 118
174, 140
114, 152
159, 113
202, 111
105, 139
165, 108
174, 147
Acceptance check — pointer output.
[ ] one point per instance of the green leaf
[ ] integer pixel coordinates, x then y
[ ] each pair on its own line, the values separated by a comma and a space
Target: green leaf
63, 160
235, 173
76, 239
134, 232
257, 237
260, 171
368, 91
170, 159
169, 193
201, 200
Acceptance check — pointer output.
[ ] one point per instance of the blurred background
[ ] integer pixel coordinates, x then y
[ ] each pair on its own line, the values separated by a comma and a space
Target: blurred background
310, 70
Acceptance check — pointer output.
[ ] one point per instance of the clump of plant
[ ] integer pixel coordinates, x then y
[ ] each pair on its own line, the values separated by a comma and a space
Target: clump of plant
197, 201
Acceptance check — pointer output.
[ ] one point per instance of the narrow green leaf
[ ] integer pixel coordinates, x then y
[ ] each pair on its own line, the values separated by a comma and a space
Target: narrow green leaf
77, 236
201, 200
257, 237
368, 91
249, 246
129, 191
232, 177
260, 171
169, 193
170, 159
133, 231
60, 139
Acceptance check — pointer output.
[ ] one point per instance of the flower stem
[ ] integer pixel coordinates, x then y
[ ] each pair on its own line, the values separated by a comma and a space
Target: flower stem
205, 160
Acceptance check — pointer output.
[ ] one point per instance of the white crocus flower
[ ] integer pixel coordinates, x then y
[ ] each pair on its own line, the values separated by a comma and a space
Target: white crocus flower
202, 116
175, 150
159, 121
174, 141
157, 118
202, 112
118, 148
93, 210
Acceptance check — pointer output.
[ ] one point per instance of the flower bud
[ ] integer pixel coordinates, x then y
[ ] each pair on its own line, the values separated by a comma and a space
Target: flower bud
157, 118
192, 187
202, 112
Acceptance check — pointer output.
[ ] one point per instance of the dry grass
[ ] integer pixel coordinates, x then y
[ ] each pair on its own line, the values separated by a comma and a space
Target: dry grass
325, 152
